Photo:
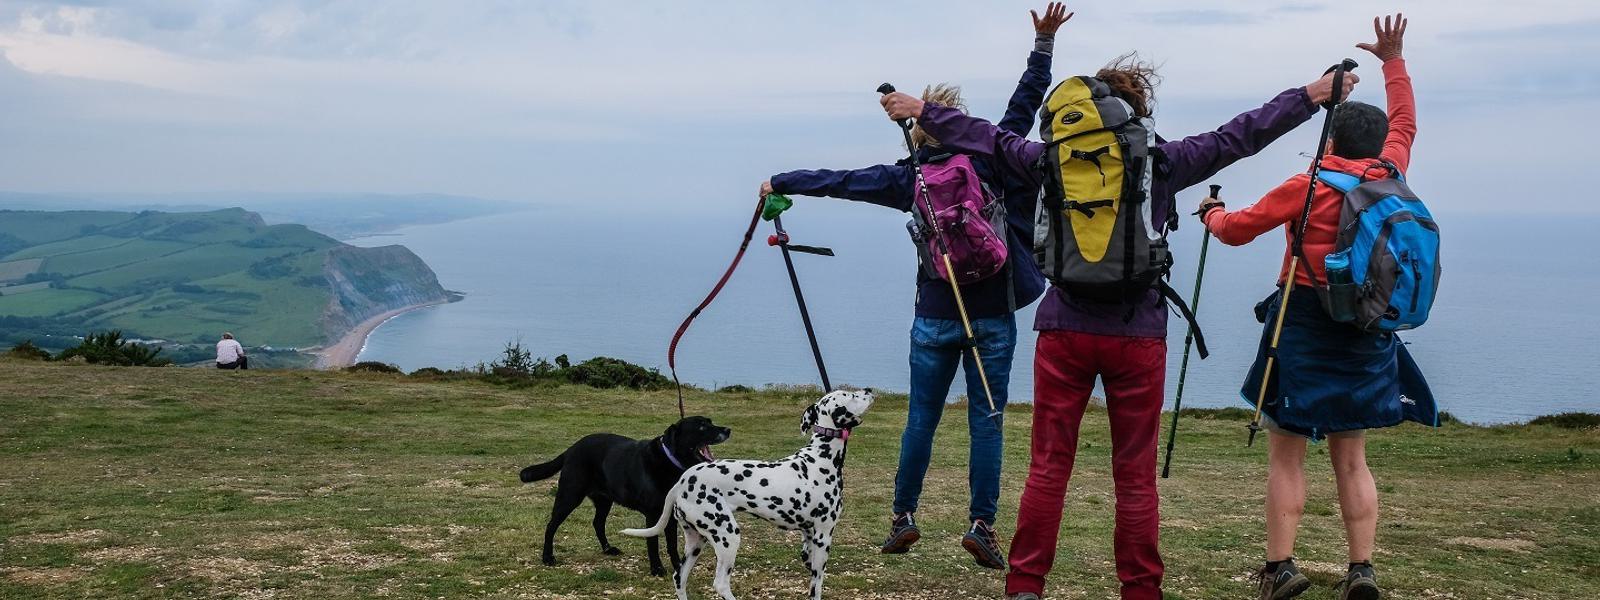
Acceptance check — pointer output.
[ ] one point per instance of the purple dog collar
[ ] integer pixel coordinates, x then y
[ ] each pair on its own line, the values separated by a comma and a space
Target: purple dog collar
673, 459
843, 434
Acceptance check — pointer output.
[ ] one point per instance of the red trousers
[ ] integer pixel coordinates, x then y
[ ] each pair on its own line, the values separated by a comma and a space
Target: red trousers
1133, 372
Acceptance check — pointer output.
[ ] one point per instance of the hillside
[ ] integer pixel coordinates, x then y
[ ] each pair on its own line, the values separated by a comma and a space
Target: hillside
128, 483
186, 277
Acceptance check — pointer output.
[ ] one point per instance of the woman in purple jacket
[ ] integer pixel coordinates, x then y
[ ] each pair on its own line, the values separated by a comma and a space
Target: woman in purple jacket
938, 342
1080, 340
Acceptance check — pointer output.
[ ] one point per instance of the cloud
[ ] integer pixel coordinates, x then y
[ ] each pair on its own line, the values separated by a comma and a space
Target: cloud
1200, 17
502, 98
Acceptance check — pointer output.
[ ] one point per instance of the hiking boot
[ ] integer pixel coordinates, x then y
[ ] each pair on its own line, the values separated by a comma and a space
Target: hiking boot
985, 548
1286, 582
1361, 583
903, 533
1023, 596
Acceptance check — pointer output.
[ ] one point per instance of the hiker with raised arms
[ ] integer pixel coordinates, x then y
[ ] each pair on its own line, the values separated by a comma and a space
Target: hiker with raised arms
1115, 331
938, 342
1342, 380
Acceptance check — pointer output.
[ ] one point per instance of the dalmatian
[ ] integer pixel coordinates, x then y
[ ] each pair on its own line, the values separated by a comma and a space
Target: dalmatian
803, 492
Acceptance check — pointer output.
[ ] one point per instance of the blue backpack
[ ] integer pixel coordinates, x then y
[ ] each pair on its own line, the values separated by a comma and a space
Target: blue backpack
1391, 244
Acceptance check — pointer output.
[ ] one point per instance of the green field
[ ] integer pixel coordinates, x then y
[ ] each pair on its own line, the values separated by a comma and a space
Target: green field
47, 302
70, 246
103, 259
187, 277
197, 483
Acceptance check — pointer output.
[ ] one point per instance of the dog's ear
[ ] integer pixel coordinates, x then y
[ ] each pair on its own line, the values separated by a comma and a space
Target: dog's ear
668, 435
809, 419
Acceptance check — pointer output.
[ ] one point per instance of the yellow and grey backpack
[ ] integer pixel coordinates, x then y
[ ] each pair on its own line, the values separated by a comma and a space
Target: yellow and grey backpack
1094, 235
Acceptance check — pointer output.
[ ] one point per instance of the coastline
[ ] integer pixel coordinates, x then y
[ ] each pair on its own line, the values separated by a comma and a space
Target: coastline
344, 352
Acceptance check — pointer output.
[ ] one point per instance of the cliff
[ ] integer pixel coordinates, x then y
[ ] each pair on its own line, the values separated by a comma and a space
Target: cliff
366, 282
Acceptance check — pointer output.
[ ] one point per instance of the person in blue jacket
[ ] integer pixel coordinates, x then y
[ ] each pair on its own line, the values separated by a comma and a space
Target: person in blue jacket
938, 341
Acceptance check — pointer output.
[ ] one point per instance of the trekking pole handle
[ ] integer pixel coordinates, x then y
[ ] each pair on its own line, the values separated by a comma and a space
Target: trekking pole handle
886, 89
1345, 66
1216, 191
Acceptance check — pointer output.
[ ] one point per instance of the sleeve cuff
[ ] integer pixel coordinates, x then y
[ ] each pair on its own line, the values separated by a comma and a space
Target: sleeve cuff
1044, 43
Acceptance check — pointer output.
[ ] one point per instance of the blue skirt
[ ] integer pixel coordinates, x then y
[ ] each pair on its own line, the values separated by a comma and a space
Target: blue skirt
1331, 377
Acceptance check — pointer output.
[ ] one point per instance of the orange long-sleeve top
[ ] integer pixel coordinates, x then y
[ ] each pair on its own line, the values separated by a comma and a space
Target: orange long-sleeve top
1283, 205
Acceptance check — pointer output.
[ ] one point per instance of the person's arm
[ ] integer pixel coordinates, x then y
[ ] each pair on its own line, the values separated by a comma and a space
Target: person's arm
1397, 87
1196, 158
1029, 95
966, 134
1281, 205
884, 185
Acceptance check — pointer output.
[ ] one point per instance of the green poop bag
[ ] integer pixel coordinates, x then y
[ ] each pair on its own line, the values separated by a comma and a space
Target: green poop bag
774, 205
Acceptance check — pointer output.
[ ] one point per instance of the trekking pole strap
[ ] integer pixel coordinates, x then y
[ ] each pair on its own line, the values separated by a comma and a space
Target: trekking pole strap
672, 349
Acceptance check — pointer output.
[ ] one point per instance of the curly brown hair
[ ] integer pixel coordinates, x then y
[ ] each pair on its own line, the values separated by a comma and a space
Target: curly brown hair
1132, 80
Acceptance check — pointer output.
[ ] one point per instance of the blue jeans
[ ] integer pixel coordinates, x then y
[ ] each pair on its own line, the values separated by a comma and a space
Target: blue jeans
937, 347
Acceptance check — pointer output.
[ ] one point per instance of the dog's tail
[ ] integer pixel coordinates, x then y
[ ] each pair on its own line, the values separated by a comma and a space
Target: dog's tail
544, 470
666, 515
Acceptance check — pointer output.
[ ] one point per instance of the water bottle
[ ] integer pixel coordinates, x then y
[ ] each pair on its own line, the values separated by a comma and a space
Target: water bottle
1342, 288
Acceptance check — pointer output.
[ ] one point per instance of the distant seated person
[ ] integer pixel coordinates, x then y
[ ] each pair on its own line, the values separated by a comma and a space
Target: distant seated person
230, 355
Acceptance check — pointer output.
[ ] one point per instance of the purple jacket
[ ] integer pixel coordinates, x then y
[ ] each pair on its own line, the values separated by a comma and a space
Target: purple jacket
1188, 161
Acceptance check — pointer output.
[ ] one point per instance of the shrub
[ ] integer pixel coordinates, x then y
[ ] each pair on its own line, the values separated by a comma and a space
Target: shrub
428, 373
1571, 420
735, 389
108, 348
606, 372
372, 366
517, 367
27, 351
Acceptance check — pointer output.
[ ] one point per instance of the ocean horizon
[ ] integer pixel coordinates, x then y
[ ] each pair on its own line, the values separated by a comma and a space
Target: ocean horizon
1512, 335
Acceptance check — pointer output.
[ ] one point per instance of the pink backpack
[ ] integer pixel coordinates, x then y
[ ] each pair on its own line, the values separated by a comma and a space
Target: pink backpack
971, 218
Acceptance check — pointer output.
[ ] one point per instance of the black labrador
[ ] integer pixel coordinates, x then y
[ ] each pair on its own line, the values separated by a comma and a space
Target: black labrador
608, 468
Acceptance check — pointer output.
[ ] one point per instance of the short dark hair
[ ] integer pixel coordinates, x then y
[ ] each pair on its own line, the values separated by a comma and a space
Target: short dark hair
1358, 130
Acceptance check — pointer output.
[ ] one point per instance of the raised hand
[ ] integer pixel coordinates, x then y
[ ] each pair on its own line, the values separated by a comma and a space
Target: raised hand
766, 189
1391, 37
1054, 15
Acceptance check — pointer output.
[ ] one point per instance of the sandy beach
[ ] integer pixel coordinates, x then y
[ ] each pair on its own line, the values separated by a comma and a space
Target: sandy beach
343, 353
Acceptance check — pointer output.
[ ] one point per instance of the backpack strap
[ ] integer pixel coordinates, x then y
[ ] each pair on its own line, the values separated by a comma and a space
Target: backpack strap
1344, 182
1172, 296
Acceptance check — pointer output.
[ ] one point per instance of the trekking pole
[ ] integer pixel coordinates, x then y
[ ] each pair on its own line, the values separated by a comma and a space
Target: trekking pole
1188, 339
781, 240
944, 255
1300, 231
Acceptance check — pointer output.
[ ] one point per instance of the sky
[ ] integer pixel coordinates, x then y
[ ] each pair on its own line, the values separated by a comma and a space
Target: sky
656, 104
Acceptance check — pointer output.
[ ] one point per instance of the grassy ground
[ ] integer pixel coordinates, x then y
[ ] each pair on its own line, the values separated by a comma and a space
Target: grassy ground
124, 482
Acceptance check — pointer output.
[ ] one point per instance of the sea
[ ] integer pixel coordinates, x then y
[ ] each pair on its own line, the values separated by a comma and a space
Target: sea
1514, 333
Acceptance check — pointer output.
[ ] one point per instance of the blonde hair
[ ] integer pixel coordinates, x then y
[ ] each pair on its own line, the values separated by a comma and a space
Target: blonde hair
945, 95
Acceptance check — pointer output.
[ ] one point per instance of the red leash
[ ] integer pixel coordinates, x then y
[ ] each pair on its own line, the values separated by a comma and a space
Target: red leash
672, 349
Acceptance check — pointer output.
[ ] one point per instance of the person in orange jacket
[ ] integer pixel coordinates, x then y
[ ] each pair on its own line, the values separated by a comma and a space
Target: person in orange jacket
1352, 367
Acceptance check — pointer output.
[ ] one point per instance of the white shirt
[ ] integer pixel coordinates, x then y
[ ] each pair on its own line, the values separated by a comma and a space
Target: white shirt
229, 351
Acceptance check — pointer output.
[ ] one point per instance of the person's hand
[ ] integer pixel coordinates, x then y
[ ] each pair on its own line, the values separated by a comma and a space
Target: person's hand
1206, 206
766, 189
1322, 89
1054, 15
901, 105
1391, 37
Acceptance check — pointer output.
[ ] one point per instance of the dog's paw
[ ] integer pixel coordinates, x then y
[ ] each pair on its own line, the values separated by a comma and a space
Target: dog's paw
610, 551
658, 572
549, 561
